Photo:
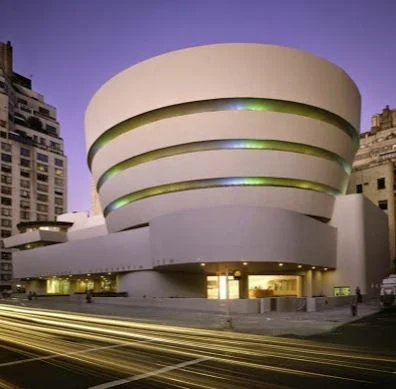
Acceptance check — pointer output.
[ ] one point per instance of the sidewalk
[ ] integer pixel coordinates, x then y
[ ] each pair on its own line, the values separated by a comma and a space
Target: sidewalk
271, 323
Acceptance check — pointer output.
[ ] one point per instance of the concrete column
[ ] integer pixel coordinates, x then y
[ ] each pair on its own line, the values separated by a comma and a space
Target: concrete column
317, 283
308, 283
244, 286
299, 286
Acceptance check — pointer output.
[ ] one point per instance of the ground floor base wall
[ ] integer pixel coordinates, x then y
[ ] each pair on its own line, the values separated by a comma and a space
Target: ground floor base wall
127, 250
362, 245
158, 284
189, 248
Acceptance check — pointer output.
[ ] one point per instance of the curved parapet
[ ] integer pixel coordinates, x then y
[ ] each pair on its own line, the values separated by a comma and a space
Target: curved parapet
264, 236
229, 124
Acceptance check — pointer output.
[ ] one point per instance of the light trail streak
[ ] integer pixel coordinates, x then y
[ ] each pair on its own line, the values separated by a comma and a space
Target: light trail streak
57, 355
40, 331
208, 347
326, 352
228, 337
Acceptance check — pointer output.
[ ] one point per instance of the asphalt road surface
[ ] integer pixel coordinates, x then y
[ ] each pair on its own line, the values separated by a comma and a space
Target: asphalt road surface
377, 333
42, 349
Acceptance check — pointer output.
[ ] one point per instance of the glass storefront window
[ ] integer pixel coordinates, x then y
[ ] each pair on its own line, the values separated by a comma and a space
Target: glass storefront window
276, 285
217, 288
58, 286
342, 291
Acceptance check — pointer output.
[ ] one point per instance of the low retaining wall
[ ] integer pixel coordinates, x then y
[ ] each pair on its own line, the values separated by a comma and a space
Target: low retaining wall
193, 304
260, 305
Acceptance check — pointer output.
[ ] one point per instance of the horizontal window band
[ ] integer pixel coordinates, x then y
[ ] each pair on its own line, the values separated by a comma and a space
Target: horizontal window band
223, 144
217, 105
217, 183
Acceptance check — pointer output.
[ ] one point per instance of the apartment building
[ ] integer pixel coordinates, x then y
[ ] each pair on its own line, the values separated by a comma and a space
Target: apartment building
375, 166
33, 165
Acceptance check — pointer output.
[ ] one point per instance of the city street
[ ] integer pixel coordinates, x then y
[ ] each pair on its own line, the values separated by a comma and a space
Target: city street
47, 349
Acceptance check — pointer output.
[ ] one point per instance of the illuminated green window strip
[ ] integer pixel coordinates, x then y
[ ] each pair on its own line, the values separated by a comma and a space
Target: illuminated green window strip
217, 183
231, 104
223, 144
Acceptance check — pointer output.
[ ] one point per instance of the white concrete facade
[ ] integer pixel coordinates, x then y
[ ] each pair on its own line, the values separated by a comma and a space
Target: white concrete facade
221, 159
230, 124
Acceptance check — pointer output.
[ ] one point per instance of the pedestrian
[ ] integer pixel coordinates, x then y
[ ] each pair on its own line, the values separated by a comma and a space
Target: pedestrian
30, 295
34, 295
354, 307
88, 297
358, 295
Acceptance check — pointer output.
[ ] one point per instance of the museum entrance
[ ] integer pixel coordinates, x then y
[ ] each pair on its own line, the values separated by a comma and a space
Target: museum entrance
217, 287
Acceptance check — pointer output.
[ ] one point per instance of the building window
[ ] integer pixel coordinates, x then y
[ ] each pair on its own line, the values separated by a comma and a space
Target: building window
6, 212
25, 184
22, 101
5, 277
359, 188
59, 172
25, 173
59, 162
25, 162
42, 217
6, 201
42, 177
42, 168
42, 208
381, 183
58, 201
6, 169
6, 147
25, 109
42, 187
6, 179
25, 194
5, 255
58, 181
6, 223
51, 129
7, 190
6, 267
42, 197
42, 157
25, 215
6, 158
59, 192
55, 146
5, 233
58, 210
383, 204
25, 204
25, 152
44, 111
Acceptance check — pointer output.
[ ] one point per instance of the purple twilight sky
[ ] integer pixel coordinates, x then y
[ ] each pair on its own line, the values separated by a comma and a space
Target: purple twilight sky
72, 47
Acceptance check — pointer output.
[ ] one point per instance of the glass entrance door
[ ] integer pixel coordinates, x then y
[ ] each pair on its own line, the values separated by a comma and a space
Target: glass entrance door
217, 287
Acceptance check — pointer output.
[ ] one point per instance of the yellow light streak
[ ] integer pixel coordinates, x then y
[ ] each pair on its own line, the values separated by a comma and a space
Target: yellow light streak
47, 332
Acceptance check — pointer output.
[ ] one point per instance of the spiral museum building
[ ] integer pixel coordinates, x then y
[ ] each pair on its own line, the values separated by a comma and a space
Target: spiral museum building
221, 171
